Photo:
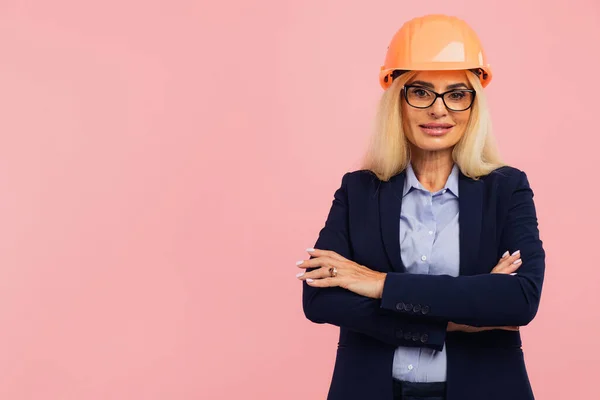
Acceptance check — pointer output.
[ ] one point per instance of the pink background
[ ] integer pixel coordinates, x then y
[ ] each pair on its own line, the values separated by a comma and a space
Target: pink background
164, 164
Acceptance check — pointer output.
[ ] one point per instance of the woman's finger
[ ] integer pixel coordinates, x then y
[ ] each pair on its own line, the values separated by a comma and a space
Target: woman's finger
510, 259
509, 264
315, 262
319, 273
508, 268
325, 282
512, 267
501, 263
326, 253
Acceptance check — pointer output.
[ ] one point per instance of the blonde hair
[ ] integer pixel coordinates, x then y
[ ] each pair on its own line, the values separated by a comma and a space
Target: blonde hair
388, 152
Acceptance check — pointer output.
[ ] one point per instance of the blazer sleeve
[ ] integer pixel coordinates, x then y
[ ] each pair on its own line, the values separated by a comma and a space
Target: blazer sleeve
343, 308
488, 299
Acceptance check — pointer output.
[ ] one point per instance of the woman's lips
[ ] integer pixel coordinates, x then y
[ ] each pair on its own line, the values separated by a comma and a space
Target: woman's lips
436, 129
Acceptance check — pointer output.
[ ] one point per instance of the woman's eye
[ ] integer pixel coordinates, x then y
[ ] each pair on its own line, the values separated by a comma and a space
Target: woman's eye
457, 95
420, 92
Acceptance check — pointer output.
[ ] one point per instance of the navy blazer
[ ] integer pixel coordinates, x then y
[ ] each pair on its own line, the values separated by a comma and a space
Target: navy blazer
496, 214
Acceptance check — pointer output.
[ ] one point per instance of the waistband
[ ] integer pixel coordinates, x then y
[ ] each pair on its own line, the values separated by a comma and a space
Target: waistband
421, 390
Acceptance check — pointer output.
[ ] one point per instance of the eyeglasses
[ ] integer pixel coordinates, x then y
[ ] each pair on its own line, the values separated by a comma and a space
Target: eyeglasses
454, 100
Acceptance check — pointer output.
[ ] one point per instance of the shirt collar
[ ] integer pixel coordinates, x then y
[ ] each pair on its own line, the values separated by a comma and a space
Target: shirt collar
411, 181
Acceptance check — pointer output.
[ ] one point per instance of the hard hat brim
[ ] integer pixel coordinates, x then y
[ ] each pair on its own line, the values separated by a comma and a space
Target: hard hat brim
484, 77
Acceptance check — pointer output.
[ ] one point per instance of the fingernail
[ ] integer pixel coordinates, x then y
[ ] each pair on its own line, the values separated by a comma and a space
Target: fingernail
299, 262
309, 280
310, 249
300, 274
516, 252
519, 261
505, 254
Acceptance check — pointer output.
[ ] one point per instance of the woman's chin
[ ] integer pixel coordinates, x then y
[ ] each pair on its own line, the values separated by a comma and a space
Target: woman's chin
434, 143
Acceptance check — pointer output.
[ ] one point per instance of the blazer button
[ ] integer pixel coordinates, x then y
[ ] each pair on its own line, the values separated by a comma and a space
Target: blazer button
424, 338
400, 306
415, 337
399, 334
408, 307
425, 309
407, 335
417, 308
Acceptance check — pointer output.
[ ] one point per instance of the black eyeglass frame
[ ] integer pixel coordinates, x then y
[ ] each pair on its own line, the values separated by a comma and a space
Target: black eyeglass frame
439, 95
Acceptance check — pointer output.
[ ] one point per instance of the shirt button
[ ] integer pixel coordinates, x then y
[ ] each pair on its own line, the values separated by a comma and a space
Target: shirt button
410, 367
431, 232
444, 191
423, 258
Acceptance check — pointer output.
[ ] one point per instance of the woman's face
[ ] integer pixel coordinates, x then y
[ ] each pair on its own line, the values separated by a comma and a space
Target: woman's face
435, 128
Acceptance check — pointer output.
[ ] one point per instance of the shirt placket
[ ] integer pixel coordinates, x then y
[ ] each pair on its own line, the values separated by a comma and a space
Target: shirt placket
429, 227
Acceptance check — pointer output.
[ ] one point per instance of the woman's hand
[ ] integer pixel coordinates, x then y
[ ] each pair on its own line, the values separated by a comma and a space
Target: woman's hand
506, 265
452, 327
350, 275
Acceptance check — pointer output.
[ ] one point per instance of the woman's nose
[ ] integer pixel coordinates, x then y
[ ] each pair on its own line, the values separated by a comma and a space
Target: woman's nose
438, 108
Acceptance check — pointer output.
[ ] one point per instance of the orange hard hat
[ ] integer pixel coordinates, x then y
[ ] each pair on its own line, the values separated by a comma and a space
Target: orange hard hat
434, 42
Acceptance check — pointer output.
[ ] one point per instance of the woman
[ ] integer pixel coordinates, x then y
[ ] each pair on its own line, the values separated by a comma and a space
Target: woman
430, 258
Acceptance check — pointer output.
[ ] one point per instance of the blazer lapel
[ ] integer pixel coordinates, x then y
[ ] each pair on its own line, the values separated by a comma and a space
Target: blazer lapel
390, 204
470, 200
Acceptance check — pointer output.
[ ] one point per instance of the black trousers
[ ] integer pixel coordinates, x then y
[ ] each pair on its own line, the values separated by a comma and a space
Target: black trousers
419, 390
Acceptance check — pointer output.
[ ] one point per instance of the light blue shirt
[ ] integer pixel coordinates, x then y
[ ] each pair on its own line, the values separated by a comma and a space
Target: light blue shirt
429, 245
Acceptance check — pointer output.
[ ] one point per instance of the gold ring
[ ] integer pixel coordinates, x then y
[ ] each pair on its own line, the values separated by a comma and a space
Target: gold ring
333, 272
